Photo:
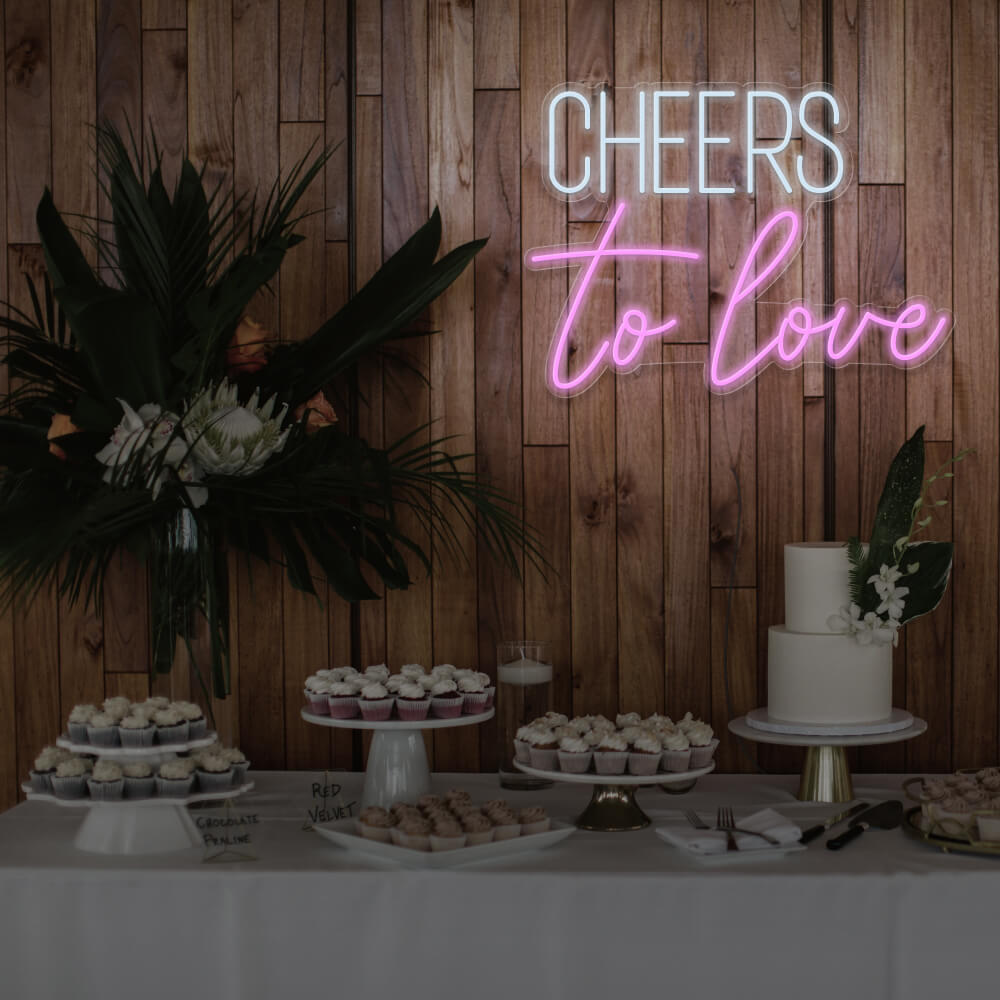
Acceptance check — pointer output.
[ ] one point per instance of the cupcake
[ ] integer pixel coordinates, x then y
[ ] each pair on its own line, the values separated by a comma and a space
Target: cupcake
70, 779
195, 717
102, 730
489, 687
376, 824
340, 674
427, 681
447, 835
154, 704
413, 832
444, 670
446, 700
644, 757
411, 671
611, 755
78, 720
377, 672
45, 767
506, 825
522, 748
456, 795
412, 701
317, 692
343, 700
375, 702
171, 726
543, 748
676, 756
215, 773
139, 780
117, 708
239, 763
175, 779
106, 782
429, 801
574, 755
473, 695
136, 731
533, 819
478, 829
627, 719
703, 744
394, 682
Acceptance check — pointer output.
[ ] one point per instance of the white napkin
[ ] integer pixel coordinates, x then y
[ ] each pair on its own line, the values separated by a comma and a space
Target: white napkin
714, 841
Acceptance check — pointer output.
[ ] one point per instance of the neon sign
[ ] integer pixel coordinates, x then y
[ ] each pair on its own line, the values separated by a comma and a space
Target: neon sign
912, 333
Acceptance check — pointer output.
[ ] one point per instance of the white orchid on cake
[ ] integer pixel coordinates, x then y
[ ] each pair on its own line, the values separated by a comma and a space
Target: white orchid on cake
894, 578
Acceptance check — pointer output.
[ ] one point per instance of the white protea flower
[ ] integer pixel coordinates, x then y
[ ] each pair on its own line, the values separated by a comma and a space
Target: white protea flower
230, 438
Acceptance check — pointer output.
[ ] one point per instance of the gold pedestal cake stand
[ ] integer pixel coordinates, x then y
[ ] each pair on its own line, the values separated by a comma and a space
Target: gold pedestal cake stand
612, 807
825, 775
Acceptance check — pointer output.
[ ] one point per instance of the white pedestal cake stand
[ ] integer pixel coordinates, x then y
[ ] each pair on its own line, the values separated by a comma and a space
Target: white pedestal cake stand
612, 806
397, 762
825, 774
138, 826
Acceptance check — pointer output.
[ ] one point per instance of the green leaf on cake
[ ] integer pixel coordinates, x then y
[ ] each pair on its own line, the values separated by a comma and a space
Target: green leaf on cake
927, 585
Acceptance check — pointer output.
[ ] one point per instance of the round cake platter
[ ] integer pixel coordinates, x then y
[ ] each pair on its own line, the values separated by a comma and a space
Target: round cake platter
153, 825
397, 761
612, 807
825, 774
151, 755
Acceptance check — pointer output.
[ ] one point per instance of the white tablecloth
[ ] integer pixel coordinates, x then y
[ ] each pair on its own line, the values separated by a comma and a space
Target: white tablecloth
600, 915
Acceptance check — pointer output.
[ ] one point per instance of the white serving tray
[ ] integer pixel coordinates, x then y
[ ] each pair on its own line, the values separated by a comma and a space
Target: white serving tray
119, 752
343, 832
150, 801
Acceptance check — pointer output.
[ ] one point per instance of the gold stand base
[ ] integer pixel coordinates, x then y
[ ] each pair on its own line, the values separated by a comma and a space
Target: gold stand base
612, 809
825, 776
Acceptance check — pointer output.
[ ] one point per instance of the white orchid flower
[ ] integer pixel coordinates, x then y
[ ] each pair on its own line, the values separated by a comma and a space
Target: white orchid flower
847, 620
885, 580
893, 602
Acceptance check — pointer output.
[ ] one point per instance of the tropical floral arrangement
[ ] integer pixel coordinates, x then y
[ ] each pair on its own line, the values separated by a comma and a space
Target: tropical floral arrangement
149, 411
896, 578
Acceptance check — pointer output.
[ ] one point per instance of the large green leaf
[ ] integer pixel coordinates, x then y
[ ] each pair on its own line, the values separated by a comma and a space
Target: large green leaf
66, 264
928, 584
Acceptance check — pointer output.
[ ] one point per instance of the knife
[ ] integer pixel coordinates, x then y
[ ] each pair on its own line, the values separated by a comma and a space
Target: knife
884, 816
820, 828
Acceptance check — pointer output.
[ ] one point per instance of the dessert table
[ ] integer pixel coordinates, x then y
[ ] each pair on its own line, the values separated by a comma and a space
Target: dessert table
598, 915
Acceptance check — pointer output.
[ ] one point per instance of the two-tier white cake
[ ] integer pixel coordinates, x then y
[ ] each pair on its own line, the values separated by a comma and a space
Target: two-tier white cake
815, 675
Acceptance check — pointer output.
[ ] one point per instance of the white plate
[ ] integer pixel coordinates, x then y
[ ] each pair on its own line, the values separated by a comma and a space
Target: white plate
740, 727
726, 857
151, 800
119, 752
592, 778
897, 720
343, 832
396, 725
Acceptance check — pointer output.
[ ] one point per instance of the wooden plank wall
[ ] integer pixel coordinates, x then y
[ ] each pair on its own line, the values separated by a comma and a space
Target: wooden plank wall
645, 487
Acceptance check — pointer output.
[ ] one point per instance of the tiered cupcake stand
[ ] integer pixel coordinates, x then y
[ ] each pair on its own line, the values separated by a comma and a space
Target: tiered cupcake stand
138, 826
826, 776
397, 762
612, 807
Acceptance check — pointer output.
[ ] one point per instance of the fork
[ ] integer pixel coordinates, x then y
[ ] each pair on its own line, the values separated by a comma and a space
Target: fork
725, 820
695, 820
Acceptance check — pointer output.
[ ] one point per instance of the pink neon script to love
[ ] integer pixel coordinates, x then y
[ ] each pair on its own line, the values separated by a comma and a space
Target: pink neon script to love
623, 351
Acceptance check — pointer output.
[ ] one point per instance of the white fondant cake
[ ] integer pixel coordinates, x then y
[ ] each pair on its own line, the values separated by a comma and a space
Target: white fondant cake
815, 675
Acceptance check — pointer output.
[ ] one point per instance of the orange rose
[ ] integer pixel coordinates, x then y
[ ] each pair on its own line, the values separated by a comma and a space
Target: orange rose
60, 426
320, 413
249, 348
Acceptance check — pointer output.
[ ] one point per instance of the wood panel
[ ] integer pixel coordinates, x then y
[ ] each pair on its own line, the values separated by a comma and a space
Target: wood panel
881, 92
496, 44
164, 112
300, 60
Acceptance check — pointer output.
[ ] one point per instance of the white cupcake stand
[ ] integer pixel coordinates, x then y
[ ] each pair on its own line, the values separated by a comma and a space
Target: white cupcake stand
825, 775
397, 762
612, 807
137, 826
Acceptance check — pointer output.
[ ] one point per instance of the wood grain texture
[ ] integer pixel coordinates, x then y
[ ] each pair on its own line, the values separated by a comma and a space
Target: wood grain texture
778, 52
881, 93
210, 87
496, 44
164, 111
368, 47
158, 14
119, 62
338, 113
300, 60
737, 664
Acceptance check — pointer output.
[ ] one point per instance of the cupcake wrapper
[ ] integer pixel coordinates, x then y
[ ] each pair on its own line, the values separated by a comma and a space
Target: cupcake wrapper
215, 781
415, 841
574, 763
641, 764
319, 704
610, 761
544, 760
439, 843
105, 791
383, 834
539, 826
491, 694
240, 773
702, 756
343, 708
172, 734
376, 711
474, 703
104, 737
676, 761
174, 788
139, 788
41, 781
508, 832
78, 732
446, 708
197, 728
481, 837
69, 788
413, 710
522, 751
137, 737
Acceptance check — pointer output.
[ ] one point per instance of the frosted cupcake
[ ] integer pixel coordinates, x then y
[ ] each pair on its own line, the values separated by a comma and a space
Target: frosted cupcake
317, 692
489, 687
195, 717
106, 782
543, 748
644, 758
102, 730
375, 702
574, 755
413, 832
171, 726
70, 779
627, 719
473, 695
175, 779
117, 708
534, 819
215, 773
447, 835
45, 767
377, 672
78, 720
506, 825
676, 756
343, 700
611, 755
444, 670
446, 700
522, 748
375, 823
139, 780
136, 731
394, 682
156, 703
239, 763
478, 829
412, 701
703, 743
